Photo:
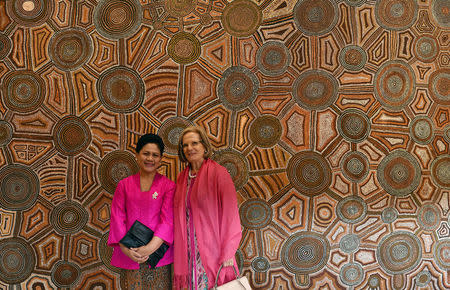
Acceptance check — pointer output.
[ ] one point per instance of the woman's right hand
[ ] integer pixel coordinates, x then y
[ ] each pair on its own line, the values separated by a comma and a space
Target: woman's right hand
133, 254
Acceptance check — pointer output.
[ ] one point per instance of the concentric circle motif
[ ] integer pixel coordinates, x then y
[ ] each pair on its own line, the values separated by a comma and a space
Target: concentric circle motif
423, 278
105, 253
273, 58
399, 173
439, 86
23, 91
17, 260
429, 217
5, 46
355, 2
237, 88
170, 131
255, 213
396, 14
315, 90
265, 131
117, 19
447, 133
315, 17
394, 84
353, 125
349, 243
184, 48
426, 48
399, 252
6, 131
179, 8
71, 135
441, 254
355, 166
260, 264
114, 167
29, 12
70, 48
351, 274
441, 12
65, 274
241, 18
309, 172
236, 165
351, 209
19, 187
305, 252
353, 57
421, 130
121, 89
389, 215
440, 171
68, 217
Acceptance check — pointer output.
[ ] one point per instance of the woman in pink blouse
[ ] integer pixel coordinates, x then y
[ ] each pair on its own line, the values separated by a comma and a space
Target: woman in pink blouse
207, 228
148, 197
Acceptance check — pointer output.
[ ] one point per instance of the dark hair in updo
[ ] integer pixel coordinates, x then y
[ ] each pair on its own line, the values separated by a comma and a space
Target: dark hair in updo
152, 139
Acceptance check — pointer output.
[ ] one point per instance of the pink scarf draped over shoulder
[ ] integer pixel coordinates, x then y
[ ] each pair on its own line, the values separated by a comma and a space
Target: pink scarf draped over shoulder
216, 221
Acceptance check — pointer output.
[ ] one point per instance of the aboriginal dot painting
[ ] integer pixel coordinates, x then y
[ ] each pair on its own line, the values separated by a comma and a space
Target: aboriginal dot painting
332, 117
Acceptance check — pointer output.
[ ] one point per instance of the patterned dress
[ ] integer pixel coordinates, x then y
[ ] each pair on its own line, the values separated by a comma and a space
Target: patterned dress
146, 278
198, 280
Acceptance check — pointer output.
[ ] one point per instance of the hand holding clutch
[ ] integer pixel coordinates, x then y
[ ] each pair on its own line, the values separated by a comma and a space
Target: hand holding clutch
140, 235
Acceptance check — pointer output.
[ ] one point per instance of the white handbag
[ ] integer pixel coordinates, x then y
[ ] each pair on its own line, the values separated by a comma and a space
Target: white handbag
240, 283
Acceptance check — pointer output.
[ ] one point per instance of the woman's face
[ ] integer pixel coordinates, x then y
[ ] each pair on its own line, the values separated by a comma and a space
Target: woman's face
193, 148
149, 158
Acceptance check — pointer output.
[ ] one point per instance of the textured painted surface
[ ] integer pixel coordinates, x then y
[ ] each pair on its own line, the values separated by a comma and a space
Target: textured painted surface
332, 117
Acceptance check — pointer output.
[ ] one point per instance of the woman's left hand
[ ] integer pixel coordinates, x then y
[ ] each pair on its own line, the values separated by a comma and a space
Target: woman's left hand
228, 263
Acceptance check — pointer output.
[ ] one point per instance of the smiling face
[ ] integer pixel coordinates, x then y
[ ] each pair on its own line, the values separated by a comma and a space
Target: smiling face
193, 149
149, 158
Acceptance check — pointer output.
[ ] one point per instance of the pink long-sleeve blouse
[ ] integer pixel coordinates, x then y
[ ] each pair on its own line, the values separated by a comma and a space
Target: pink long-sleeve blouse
154, 208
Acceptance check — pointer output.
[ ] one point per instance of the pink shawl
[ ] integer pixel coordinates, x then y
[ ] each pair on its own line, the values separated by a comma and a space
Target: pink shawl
216, 222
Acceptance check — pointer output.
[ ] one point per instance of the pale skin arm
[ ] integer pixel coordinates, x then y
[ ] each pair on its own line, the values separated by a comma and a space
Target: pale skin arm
140, 255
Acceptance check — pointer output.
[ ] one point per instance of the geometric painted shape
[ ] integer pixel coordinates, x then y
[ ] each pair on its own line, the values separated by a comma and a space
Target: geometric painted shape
35, 220
85, 177
440, 10
65, 274
440, 171
351, 274
399, 252
426, 48
309, 172
121, 89
438, 86
184, 48
70, 48
353, 125
260, 264
115, 19
17, 260
353, 57
355, 166
273, 58
27, 151
236, 165
265, 131
178, 8
389, 215
100, 210
396, 14
84, 249
315, 17
291, 212
255, 213
421, 130
170, 131
7, 221
351, 209
216, 123
349, 243
71, 135
429, 217
394, 85
49, 250
305, 252
237, 88
29, 13
19, 187
6, 132
399, 173
241, 18
315, 90
5, 45
441, 254
68, 217
23, 91
99, 279
114, 167
199, 88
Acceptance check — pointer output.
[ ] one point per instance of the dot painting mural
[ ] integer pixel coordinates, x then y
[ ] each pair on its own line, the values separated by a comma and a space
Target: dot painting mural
332, 117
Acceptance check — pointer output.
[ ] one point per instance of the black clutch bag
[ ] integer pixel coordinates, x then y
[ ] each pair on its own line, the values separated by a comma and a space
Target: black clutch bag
140, 235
